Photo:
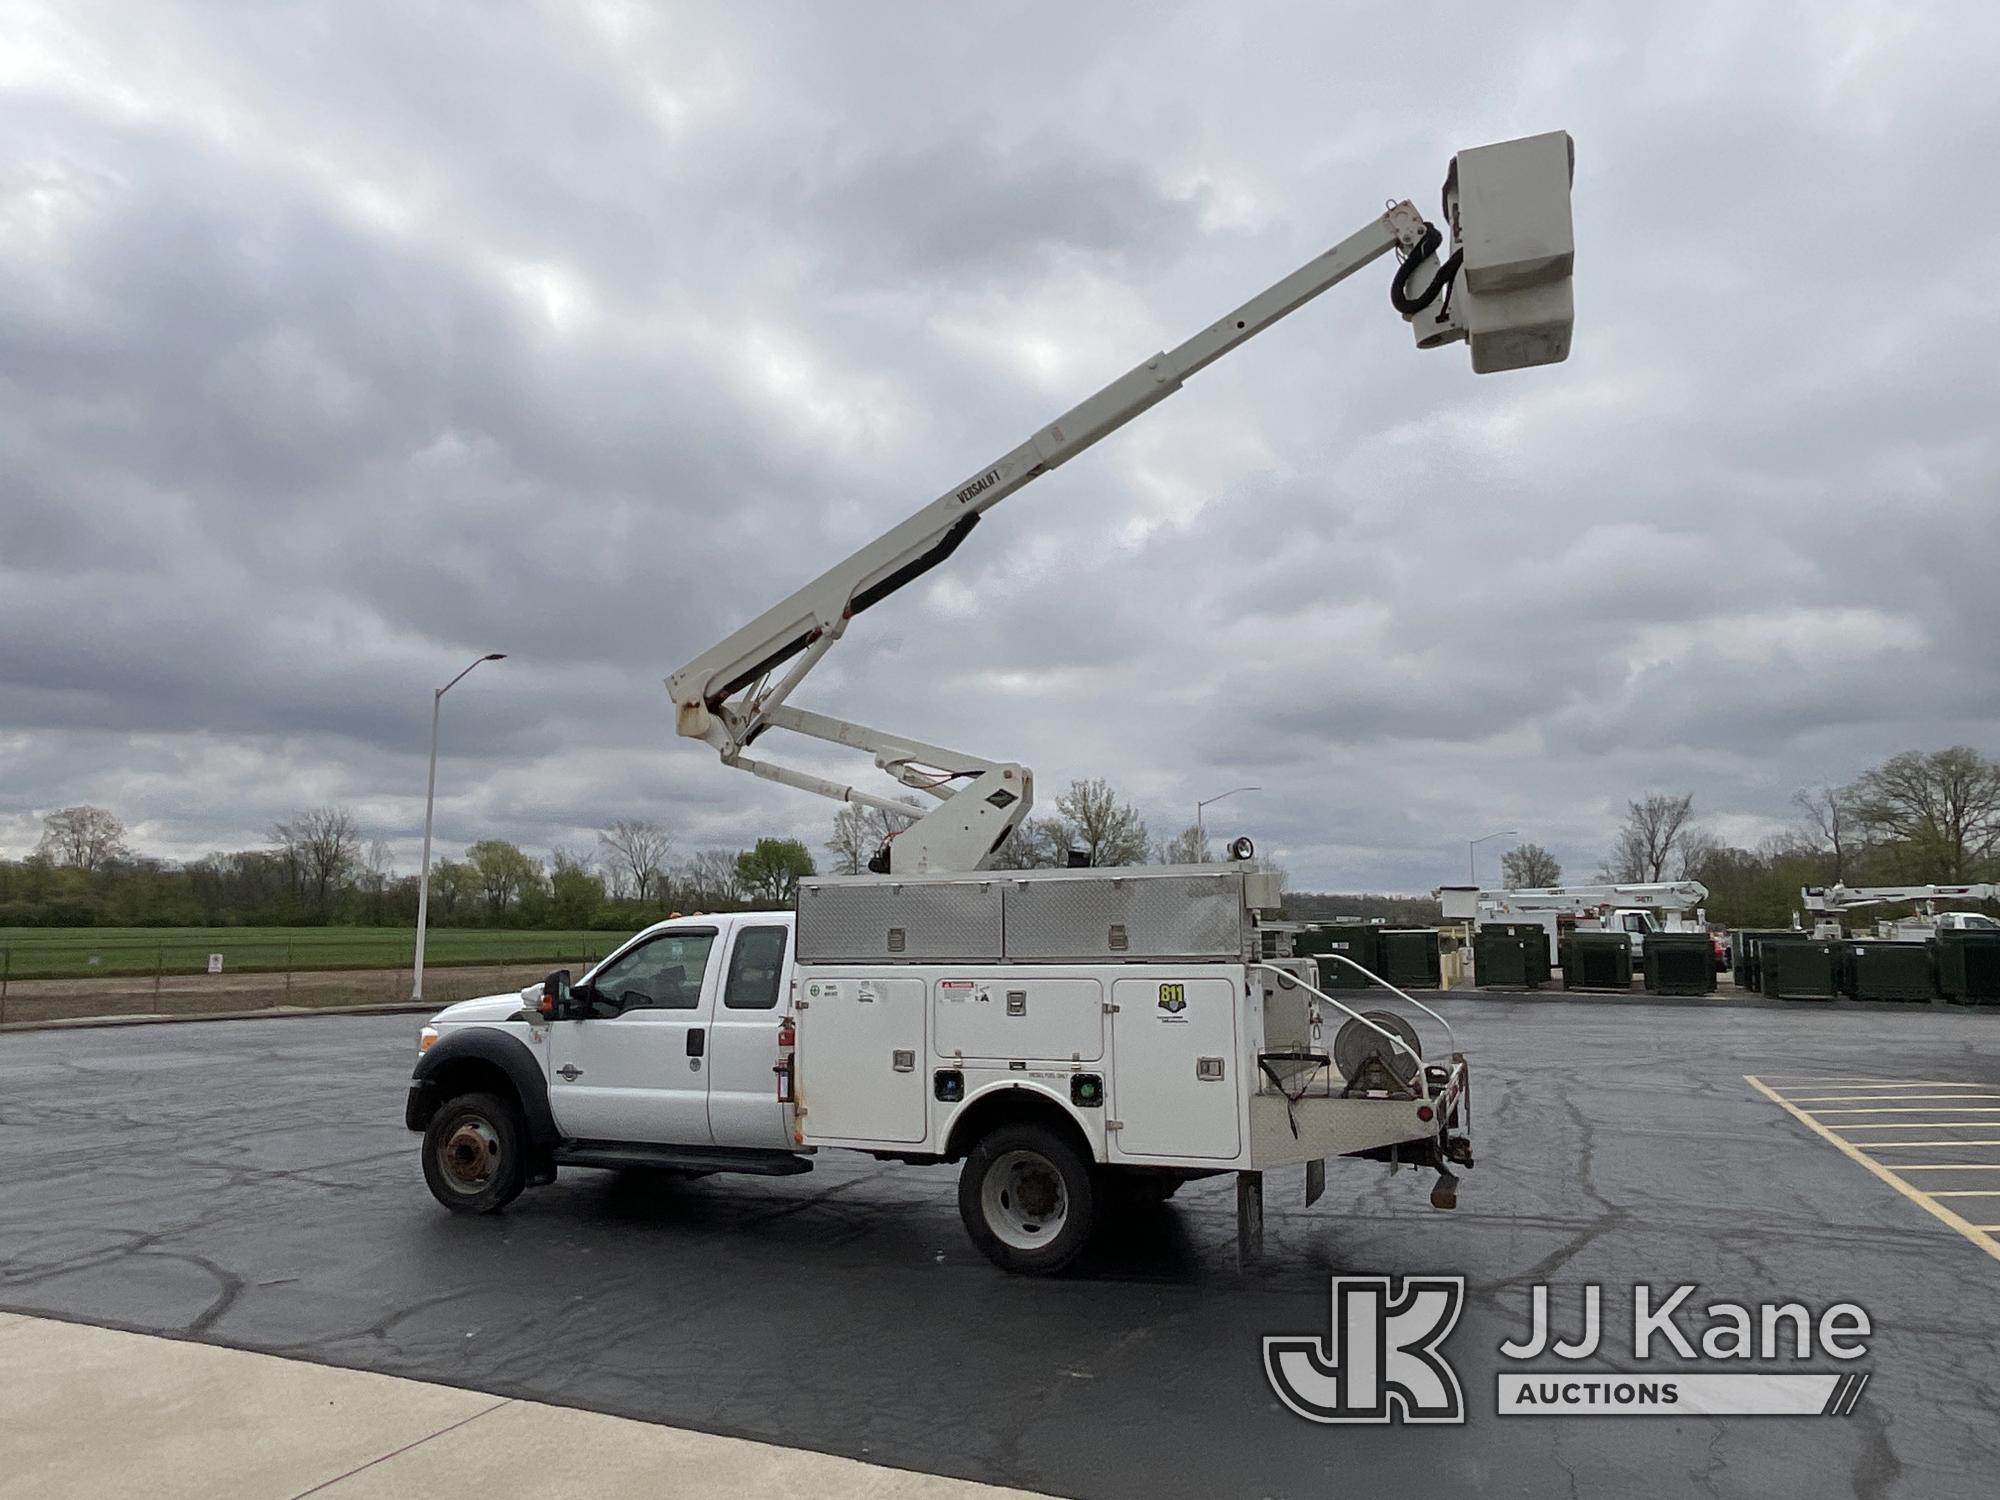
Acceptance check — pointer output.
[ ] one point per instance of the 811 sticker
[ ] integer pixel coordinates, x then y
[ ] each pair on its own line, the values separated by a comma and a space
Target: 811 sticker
1173, 998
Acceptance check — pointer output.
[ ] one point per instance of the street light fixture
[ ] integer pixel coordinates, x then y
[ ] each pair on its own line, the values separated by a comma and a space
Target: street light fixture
1201, 838
1472, 859
430, 800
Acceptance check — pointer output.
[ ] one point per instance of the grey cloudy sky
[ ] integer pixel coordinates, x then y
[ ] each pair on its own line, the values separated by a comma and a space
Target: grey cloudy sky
340, 343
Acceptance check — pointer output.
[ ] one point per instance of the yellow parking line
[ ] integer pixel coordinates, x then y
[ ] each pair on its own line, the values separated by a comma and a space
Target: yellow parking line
1893, 1145
1916, 1124
1877, 1098
1853, 1153
1913, 1109
1793, 1080
1946, 1166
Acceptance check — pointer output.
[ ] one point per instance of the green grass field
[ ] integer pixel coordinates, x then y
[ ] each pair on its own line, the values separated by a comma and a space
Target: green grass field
80, 952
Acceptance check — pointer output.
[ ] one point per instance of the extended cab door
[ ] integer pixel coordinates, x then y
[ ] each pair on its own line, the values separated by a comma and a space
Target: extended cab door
636, 1068
743, 1106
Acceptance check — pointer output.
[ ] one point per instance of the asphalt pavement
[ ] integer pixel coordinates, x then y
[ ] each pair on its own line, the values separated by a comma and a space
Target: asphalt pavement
251, 1184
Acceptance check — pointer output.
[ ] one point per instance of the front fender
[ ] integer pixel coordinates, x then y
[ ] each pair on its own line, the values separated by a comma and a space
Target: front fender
466, 1054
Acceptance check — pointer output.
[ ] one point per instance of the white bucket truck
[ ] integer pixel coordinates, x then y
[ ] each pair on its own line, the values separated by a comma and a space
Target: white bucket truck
1070, 1035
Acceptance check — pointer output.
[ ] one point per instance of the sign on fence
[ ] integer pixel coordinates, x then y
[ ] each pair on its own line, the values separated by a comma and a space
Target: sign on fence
215, 963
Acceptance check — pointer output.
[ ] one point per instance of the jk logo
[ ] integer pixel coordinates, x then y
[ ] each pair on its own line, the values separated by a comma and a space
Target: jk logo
1380, 1360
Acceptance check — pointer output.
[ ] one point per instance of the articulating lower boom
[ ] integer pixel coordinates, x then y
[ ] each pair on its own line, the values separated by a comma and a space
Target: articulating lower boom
1505, 289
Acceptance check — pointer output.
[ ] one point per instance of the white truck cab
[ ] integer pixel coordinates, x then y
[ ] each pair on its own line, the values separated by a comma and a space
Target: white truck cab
673, 1037
1966, 921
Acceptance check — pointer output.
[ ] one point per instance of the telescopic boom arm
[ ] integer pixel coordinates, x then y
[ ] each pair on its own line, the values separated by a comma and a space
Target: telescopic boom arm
1838, 898
726, 696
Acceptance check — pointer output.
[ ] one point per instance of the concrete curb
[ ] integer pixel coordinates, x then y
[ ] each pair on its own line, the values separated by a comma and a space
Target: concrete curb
270, 1013
98, 1412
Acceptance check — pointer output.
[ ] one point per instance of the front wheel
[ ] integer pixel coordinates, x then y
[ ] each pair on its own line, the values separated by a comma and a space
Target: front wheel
1027, 1199
474, 1158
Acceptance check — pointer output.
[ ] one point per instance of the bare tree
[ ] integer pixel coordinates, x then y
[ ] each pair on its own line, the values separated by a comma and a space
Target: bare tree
377, 870
859, 831
1529, 867
1652, 832
1037, 844
1945, 805
635, 856
1110, 832
1829, 815
709, 878
321, 846
83, 838
1697, 850
1188, 847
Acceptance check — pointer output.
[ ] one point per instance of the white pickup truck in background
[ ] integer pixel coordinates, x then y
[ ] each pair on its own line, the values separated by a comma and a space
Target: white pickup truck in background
1065, 1085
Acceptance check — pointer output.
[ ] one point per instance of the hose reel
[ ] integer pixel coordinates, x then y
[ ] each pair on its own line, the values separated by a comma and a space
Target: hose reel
1367, 1061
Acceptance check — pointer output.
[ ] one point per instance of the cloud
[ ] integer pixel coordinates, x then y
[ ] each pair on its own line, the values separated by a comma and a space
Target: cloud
341, 344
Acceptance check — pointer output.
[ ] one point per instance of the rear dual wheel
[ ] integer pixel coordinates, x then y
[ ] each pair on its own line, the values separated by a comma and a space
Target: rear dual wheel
1027, 1199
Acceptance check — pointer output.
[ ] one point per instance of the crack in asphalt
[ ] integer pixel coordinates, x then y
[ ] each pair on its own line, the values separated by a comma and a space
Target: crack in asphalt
270, 1198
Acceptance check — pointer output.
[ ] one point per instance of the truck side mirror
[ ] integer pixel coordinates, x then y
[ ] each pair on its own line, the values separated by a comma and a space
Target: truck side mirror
555, 996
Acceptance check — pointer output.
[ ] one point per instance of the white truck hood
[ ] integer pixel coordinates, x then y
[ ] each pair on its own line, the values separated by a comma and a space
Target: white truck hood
484, 1008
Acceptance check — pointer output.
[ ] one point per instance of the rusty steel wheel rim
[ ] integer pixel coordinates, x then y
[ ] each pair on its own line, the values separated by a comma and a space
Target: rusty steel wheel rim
470, 1155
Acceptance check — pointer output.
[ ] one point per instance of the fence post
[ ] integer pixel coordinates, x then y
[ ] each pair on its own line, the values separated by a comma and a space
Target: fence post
159, 964
288, 971
6, 971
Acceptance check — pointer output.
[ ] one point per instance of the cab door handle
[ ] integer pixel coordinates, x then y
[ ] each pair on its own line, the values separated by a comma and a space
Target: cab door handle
697, 1041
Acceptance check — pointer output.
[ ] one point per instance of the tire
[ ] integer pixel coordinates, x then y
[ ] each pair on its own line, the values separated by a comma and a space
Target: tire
475, 1154
1027, 1199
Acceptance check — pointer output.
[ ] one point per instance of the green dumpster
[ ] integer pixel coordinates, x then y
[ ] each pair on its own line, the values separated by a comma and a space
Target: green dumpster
1356, 942
1968, 966
1799, 968
1597, 961
1680, 963
1891, 971
1746, 948
1408, 957
1503, 960
1536, 937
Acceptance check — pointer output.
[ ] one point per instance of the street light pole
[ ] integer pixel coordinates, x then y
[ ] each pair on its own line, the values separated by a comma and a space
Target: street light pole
430, 802
1472, 859
1201, 838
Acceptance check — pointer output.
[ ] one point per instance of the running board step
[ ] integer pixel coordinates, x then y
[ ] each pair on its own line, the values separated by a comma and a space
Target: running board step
685, 1158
